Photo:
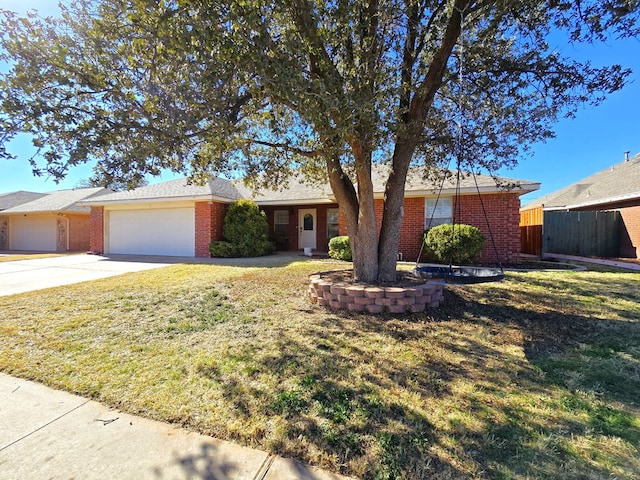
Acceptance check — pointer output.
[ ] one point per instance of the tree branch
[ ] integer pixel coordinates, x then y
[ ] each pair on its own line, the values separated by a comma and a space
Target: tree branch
288, 148
426, 91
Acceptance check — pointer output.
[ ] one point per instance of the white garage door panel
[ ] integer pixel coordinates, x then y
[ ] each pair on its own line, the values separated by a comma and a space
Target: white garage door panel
169, 231
33, 233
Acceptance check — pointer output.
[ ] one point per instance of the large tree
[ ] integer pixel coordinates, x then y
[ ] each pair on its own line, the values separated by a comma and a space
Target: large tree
328, 89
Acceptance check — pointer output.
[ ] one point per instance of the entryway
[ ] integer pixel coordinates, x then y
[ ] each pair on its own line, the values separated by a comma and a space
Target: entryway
307, 224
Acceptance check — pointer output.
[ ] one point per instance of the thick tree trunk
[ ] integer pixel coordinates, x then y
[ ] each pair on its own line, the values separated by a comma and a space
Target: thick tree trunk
359, 212
364, 240
393, 213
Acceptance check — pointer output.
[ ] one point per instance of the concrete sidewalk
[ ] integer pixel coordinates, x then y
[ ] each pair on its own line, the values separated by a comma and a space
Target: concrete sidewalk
599, 261
46, 433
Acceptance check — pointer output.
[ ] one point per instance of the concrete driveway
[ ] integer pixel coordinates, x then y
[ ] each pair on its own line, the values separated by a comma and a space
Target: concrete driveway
27, 275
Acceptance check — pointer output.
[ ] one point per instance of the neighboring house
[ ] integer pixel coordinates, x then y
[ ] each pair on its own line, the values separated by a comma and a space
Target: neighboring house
174, 218
610, 202
13, 199
50, 222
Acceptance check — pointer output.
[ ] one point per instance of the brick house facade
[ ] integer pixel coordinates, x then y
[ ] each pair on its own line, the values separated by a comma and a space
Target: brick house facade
630, 231
287, 212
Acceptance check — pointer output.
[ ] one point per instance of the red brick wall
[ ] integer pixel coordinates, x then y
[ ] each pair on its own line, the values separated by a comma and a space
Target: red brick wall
503, 215
203, 228
630, 234
209, 218
412, 228
79, 232
342, 225
96, 230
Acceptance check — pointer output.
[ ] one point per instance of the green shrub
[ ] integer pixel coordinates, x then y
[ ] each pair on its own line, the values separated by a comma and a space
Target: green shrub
427, 254
223, 250
459, 243
339, 248
246, 227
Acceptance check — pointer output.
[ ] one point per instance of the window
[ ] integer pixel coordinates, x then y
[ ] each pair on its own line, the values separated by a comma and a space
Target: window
438, 211
307, 222
333, 221
281, 222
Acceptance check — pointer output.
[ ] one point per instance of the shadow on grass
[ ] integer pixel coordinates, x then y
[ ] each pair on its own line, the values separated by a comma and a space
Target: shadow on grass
484, 390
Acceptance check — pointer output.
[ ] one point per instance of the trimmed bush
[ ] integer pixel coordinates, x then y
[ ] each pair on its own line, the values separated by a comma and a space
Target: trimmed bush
246, 227
339, 248
459, 243
223, 250
427, 253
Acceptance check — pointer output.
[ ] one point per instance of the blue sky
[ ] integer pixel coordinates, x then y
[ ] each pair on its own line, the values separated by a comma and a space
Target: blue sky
596, 139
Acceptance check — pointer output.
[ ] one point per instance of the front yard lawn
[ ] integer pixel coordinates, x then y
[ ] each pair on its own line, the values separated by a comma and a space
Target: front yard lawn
534, 377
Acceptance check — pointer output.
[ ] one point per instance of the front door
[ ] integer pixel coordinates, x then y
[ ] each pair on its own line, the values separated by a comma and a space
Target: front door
307, 227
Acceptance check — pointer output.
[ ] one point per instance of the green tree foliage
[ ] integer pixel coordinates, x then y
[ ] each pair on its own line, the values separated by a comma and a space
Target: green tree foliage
339, 248
323, 88
457, 243
246, 228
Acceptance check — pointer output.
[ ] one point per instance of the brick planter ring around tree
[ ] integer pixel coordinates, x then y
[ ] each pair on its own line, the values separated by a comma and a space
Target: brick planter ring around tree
373, 299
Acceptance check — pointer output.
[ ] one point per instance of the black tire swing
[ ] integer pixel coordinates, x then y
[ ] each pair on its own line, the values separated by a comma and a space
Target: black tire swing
457, 274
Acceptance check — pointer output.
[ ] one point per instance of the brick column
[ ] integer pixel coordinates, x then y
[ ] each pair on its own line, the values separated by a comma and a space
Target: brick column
209, 222
96, 230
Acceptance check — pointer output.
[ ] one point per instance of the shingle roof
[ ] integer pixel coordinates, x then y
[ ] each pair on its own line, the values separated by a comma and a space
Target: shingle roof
418, 185
617, 183
299, 191
173, 190
59, 201
13, 199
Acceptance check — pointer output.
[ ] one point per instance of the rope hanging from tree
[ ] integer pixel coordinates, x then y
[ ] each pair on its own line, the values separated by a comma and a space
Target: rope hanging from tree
460, 274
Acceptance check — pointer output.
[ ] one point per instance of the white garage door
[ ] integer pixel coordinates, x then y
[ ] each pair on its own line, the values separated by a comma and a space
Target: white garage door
158, 231
33, 233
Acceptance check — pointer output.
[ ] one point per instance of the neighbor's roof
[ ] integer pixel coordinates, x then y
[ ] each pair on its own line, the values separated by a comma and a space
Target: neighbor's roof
617, 183
179, 189
13, 199
299, 191
59, 201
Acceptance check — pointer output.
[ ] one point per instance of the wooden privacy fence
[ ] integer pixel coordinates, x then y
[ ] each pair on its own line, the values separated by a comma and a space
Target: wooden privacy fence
531, 231
583, 233
531, 239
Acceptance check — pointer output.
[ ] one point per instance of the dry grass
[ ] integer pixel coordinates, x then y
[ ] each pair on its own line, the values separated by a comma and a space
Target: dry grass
534, 377
13, 257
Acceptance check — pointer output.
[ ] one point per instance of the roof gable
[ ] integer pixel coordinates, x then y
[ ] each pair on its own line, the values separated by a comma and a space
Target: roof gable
613, 184
59, 201
13, 199
178, 189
